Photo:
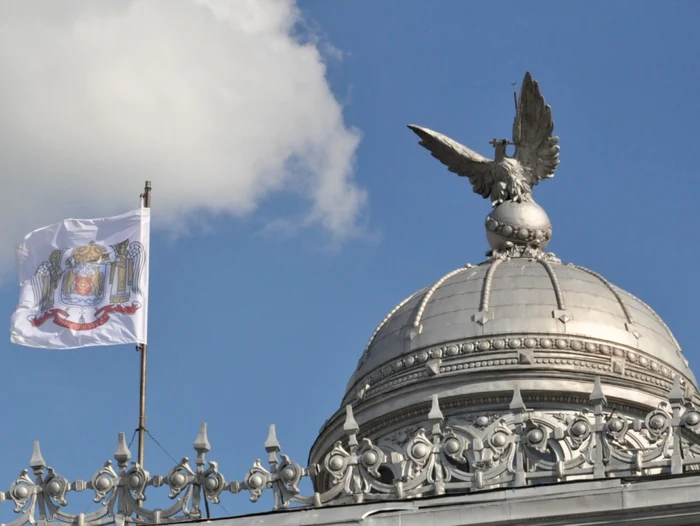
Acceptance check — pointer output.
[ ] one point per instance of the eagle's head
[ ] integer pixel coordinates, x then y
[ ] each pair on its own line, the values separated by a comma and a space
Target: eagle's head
500, 147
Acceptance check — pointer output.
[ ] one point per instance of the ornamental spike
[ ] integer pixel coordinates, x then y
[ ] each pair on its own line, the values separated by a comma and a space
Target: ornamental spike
122, 454
517, 403
201, 443
675, 396
435, 416
597, 395
350, 426
272, 445
37, 461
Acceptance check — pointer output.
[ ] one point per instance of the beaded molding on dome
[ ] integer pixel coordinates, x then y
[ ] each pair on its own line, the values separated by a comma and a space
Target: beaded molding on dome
481, 353
462, 453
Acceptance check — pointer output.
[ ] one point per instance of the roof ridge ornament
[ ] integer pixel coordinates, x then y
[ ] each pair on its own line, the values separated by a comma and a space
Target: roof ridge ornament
508, 181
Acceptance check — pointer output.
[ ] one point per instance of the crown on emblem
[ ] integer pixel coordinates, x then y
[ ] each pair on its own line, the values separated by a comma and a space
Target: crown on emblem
91, 253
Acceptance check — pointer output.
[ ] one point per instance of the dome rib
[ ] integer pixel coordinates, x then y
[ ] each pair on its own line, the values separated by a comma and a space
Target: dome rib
486, 287
659, 320
555, 284
384, 322
616, 294
431, 291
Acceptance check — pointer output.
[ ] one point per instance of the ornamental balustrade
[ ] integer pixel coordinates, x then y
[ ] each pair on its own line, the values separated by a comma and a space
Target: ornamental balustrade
514, 449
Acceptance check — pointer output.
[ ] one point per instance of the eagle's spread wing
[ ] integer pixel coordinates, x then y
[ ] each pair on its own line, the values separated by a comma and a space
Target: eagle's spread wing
137, 254
458, 158
46, 275
535, 148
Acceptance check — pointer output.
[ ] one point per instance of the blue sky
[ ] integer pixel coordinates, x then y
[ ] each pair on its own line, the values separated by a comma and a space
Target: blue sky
252, 325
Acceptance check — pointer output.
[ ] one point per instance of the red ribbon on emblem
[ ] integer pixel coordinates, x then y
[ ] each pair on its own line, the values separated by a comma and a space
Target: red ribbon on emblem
60, 317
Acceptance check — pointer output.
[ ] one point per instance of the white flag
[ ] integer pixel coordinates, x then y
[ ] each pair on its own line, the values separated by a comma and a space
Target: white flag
84, 282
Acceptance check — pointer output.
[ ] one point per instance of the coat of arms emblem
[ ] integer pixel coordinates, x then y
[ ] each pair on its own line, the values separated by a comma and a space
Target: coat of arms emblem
89, 282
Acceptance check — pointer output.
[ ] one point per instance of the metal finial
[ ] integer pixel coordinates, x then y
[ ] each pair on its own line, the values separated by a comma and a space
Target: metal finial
201, 443
122, 454
37, 461
597, 395
676, 394
507, 181
517, 403
272, 444
435, 416
350, 426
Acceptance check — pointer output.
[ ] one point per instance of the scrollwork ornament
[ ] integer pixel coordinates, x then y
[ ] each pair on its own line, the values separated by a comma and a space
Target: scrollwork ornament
483, 460
499, 439
419, 448
289, 473
578, 431
370, 457
510, 250
23, 492
180, 477
536, 437
256, 480
104, 482
454, 446
336, 463
657, 423
135, 481
55, 487
616, 427
213, 482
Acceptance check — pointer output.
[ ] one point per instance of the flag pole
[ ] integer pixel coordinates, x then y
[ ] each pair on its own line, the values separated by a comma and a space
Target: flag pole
146, 196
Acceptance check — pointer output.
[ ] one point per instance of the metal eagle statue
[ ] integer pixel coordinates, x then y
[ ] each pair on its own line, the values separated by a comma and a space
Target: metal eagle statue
505, 178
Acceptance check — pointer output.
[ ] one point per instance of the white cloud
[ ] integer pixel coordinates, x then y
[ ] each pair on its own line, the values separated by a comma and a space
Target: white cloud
216, 101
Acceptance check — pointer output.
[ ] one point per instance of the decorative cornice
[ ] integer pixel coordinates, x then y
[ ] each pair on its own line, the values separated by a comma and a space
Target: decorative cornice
519, 351
510, 447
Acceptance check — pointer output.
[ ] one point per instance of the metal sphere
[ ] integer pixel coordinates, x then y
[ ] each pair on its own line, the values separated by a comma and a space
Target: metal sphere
579, 429
482, 421
535, 436
616, 425
21, 492
519, 220
135, 480
452, 445
288, 473
178, 479
499, 440
103, 483
211, 483
336, 462
256, 481
54, 487
657, 422
419, 450
370, 457
692, 418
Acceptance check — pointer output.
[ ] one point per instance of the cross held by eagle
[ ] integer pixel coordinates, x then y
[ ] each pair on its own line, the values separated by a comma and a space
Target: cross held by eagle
505, 178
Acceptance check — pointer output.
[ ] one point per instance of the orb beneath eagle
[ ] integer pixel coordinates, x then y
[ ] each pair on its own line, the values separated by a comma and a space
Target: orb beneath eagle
518, 222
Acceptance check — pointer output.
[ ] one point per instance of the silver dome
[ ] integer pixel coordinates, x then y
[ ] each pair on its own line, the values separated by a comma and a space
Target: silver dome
516, 305
520, 346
